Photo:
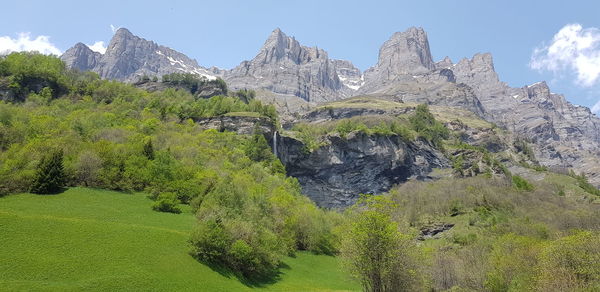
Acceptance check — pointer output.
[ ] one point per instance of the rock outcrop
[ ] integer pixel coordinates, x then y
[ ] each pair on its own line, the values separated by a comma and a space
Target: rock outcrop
350, 76
285, 67
405, 53
564, 135
335, 174
81, 57
242, 125
129, 57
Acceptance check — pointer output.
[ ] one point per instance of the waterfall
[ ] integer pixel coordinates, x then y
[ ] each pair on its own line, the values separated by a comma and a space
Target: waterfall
275, 143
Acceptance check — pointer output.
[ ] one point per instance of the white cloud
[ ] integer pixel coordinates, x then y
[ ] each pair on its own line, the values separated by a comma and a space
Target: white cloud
98, 47
24, 42
574, 49
596, 108
113, 28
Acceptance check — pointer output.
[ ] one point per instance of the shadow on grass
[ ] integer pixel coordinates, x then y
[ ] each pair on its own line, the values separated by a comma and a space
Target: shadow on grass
52, 193
258, 281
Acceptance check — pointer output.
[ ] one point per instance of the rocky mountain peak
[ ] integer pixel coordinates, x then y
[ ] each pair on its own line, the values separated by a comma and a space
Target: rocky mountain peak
123, 33
479, 73
280, 47
285, 67
407, 52
81, 57
128, 57
446, 63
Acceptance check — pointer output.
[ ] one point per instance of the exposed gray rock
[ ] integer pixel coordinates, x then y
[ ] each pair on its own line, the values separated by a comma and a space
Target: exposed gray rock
81, 57
350, 76
242, 125
335, 174
405, 53
564, 135
283, 66
128, 58
446, 63
434, 230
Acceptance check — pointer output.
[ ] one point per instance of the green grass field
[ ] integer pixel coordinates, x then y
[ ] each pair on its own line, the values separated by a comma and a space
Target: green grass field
86, 239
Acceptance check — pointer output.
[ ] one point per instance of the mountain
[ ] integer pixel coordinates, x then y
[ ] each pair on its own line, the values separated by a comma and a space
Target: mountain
285, 67
295, 78
405, 72
563, 135
129, 57
405, 53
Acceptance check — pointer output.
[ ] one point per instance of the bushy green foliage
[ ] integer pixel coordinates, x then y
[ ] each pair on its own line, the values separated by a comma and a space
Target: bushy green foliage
312, 134
149, 150
250, 219
424, 123
521, 184
193, 82
511, 263
245, 95
34, 72
584, 184
503, 239
257, 149
49, 176
377, 254
167, 202
570, 263
118, 137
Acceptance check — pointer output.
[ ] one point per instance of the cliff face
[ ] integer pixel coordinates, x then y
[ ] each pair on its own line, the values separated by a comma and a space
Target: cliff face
334, 175
285, 67
563, 135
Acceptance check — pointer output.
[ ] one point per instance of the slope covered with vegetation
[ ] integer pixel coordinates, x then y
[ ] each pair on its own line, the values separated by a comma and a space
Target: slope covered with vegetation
111, 135
233, 220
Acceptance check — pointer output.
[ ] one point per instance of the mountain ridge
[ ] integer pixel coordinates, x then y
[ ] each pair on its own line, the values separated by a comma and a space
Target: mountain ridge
296, 77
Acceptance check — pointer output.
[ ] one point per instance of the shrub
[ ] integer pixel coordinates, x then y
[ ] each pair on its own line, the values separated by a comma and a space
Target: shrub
50, 176
167, 202
375, 252
521, 184
571, 264
585, 185
424, 123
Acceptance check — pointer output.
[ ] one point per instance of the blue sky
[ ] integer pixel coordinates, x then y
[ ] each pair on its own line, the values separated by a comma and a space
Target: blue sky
223, 33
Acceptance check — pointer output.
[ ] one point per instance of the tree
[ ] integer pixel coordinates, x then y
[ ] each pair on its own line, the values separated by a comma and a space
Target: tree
50, 176
257, 148
374, 250
88, 166
167, 202
149, 150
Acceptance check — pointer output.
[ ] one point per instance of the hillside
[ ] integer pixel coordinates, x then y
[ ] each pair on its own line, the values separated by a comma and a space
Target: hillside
95, 240
402, 195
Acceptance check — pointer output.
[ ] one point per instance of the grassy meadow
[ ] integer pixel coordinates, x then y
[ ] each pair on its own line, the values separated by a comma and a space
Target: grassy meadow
89, 239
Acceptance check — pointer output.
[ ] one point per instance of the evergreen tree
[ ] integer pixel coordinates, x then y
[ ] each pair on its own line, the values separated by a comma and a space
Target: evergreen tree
257, 148
50, 175
149, 150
